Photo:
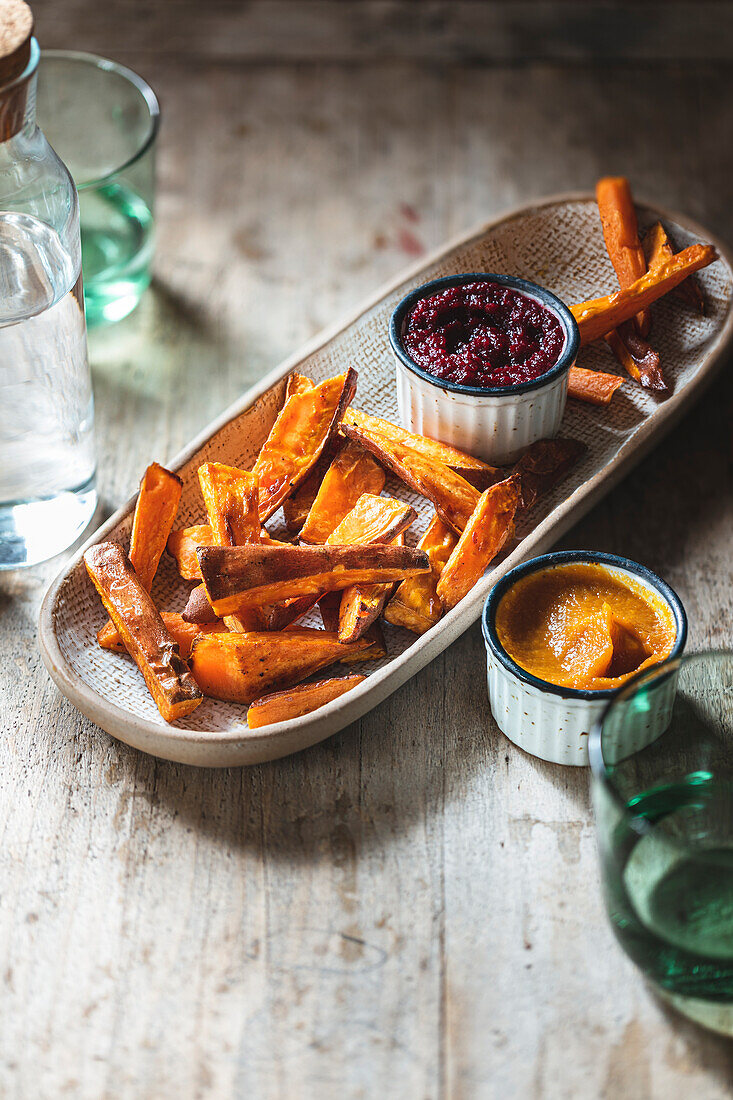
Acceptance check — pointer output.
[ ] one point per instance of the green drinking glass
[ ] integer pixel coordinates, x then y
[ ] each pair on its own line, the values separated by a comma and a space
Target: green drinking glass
103, 120
664, 814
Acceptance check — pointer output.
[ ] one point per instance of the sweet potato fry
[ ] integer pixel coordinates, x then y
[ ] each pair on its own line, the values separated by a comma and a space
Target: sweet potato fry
454, 499
155, 511
184, 633
239, 577
232, 504
593, 386
491, 524
198, 610
657, 247
142, 631
362, 604
180, 631
543, 465
231, 500
597, 317
621, 234
352, 473
297, 506
286, 614
282, 706
375, 651
240, 667
373, 519
298, 437
297, 383
329, 605
182, 546
415, 605
638, 358
478, 473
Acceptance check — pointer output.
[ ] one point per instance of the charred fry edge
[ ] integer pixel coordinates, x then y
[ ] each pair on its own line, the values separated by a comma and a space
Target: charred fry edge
142, 630
637, 357
544, 465
247, 576
297, 506
155, 513
198, 610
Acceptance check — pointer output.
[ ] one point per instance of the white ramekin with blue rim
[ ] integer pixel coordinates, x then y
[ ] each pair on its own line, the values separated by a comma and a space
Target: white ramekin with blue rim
554, 722
495, 424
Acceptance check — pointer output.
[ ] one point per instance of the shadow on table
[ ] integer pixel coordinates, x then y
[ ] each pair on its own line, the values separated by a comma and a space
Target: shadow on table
164, 340
391, 771
713, 1052
387, 777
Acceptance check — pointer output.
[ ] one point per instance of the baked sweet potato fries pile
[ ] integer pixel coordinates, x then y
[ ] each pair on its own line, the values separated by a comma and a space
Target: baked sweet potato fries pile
325, 463
646, 270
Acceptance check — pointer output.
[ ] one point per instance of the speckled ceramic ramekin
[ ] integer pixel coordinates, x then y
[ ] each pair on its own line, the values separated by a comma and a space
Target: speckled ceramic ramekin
495, 424
554, 722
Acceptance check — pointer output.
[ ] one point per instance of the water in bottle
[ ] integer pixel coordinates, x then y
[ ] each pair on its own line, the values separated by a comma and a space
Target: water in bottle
46, 412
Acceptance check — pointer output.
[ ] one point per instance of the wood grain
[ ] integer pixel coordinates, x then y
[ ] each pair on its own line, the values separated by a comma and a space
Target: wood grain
411, 909
364, 31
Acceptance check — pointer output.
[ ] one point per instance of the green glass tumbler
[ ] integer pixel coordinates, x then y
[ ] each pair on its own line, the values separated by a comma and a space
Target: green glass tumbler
102, 120
664, 815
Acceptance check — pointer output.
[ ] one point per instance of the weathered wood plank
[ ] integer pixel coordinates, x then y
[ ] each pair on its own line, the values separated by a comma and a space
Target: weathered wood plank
438, 31
412, 908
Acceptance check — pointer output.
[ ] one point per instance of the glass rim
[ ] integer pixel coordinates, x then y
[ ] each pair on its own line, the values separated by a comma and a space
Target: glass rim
105, 64
600, 772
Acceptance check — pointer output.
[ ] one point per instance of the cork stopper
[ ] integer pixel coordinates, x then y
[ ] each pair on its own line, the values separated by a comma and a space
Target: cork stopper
16, 31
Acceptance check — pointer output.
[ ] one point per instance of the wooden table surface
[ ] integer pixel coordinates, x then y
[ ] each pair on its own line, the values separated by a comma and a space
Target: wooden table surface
411, 909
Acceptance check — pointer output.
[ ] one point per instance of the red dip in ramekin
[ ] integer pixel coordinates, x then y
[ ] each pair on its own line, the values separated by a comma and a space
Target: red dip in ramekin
483, 334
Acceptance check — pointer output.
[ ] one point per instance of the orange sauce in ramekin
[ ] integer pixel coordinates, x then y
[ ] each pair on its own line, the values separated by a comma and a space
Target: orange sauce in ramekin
584, 626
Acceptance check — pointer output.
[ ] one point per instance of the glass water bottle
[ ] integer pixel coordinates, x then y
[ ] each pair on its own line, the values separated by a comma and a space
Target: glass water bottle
47, 466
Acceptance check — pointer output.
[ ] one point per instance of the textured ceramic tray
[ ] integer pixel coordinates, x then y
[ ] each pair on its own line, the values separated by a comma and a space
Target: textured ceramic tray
556, 242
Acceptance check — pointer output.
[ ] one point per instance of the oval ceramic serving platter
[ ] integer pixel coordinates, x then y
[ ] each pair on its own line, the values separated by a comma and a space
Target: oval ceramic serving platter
557, 243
